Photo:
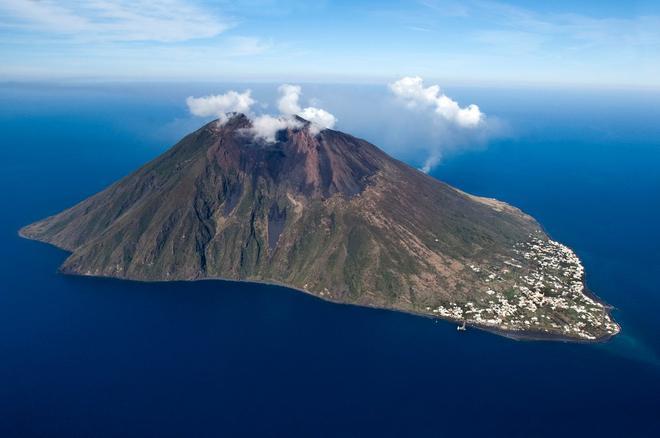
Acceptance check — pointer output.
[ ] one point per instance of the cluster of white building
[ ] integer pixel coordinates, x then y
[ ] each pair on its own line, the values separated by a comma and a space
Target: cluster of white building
547, 296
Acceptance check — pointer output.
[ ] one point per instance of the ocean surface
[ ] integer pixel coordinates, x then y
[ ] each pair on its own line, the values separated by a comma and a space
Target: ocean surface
98, 357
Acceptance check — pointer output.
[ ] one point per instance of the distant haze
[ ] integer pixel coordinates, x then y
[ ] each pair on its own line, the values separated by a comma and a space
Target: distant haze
591, 43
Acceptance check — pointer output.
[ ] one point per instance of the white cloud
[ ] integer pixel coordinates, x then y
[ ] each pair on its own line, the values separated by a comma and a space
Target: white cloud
511, 28
220, 104
447, 126
411, 90
288, 101
320, 118
266, 127
118, 20
288, 105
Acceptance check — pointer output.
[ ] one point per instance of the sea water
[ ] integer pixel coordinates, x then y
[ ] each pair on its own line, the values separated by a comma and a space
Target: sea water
99, 357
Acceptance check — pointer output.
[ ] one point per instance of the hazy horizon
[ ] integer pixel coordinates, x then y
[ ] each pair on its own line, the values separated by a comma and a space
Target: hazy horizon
604, 44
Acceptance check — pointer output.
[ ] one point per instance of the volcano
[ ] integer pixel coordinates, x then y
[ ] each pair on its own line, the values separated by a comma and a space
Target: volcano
334, 216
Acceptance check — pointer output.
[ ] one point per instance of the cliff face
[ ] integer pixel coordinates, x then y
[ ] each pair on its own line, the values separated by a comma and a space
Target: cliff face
323, 212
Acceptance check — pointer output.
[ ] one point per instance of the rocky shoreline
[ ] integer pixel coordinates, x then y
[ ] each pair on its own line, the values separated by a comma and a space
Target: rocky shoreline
521, 334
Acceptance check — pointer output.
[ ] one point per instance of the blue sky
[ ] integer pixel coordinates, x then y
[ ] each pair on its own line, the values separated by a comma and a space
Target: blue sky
588, 43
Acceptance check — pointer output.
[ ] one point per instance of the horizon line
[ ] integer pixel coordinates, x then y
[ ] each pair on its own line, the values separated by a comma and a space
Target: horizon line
353, 80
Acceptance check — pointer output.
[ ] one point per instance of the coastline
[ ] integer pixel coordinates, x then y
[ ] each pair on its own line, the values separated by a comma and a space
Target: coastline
509, 334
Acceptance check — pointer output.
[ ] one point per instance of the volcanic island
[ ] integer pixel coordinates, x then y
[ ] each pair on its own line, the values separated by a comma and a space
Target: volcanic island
334, 216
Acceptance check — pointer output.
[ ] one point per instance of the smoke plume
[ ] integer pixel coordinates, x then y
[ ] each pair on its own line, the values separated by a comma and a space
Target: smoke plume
451, 126
288, 105
411, 90
264, 126
219, 105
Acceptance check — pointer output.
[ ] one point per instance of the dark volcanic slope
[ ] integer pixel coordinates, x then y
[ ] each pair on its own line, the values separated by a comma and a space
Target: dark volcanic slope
332, 215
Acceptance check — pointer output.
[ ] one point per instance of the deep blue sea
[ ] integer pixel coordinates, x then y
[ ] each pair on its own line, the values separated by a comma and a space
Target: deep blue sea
83, 357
